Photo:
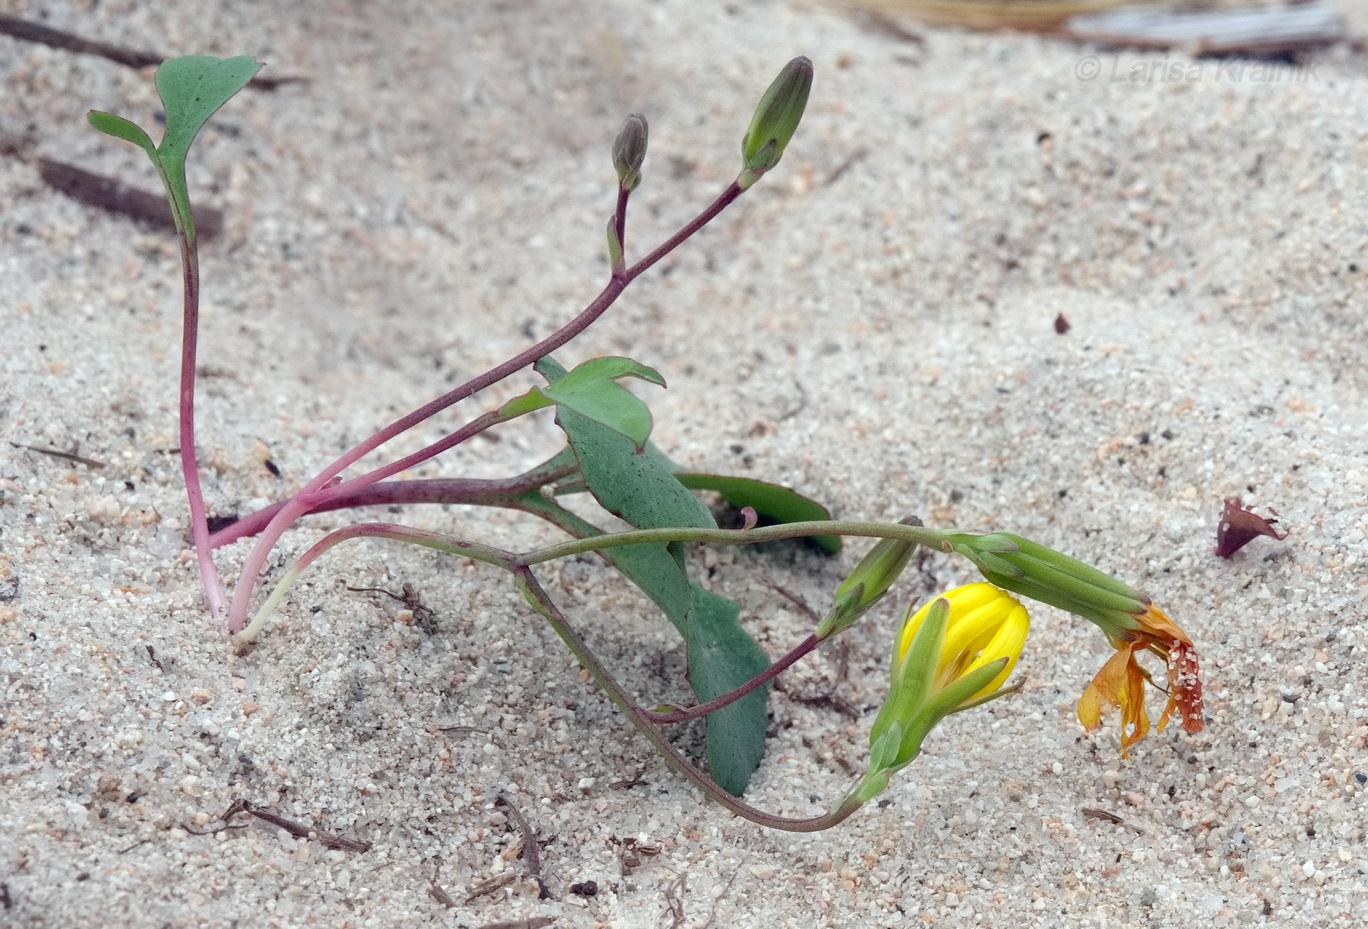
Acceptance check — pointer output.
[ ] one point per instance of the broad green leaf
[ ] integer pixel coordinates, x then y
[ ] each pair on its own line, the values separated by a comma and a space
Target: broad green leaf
592, 391
641, 489
634, 486
658, 570
773, 501
722, 657
192, 89
121, 128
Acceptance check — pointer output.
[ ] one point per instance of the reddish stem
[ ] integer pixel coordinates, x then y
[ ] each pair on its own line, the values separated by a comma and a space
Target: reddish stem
764, 677
322, 488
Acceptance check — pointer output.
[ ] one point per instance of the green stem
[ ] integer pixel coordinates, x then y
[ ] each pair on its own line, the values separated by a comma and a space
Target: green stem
932, 538
538, 599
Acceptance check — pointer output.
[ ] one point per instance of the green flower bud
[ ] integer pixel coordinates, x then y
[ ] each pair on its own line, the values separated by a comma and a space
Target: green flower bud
776, 120
1033, 570
867, 584
1132, 624
629, 151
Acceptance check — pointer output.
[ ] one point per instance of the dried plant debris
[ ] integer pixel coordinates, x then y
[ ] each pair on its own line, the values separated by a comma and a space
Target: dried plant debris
298, 830
29, 31
1276, 30
530, 855
65, 456
1240, 525
437, 891
114, 196
498, 882
1031, 15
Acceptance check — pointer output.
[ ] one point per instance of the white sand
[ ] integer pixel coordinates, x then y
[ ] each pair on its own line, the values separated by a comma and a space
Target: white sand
438, 187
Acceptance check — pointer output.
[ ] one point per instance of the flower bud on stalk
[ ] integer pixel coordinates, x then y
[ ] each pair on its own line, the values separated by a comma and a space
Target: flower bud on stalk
629, 151
867, 584
1131, 622
775, 121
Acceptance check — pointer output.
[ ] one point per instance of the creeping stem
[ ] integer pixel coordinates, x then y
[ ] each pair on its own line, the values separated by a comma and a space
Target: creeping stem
932, 538
681, 714
487, 554
646, 721
641, 719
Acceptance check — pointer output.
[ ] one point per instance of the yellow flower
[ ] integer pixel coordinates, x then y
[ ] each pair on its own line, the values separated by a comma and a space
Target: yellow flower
1121, 682
985, 625
952, 654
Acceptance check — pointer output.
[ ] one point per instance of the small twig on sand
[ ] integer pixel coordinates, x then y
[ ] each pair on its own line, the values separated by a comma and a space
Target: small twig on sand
531, 856
436, 890
65, 456
298, 830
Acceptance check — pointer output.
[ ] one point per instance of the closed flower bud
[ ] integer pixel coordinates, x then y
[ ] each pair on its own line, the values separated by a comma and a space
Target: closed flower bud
629, 151
867, 584
775, 120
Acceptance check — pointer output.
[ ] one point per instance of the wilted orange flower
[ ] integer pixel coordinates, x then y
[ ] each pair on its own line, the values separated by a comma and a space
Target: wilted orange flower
1121, 682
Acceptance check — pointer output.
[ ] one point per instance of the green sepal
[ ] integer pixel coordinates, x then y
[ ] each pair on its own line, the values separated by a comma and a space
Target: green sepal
911, 675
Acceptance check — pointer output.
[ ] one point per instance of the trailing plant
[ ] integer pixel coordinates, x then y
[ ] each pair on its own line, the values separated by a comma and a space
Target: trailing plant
953, 654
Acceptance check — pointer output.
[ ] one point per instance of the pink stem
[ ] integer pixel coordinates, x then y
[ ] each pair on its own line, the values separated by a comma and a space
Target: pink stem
199, 520
322, 487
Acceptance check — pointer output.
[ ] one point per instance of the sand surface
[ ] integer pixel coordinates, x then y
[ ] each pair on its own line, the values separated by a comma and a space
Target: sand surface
872, 324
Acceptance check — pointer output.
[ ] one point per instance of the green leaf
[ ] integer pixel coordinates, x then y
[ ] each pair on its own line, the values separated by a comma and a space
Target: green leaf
641, 489
192, 89
658, 570
592, 391
534, 399
636, 487
769, 500
121, 128
722, 657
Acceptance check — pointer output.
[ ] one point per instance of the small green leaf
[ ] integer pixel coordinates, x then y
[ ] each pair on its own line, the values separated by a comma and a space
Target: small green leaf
592, 391
722, 657
768, 500
534, 399
192, 89
121, 128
